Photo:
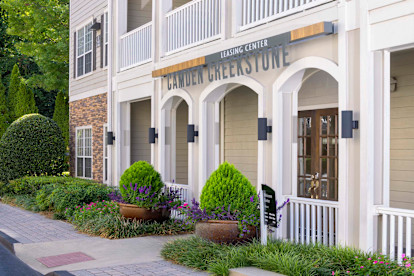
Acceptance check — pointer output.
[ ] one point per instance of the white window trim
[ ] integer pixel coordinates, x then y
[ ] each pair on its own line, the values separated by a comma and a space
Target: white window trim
76, 152
104, 171
105, 43
83, 25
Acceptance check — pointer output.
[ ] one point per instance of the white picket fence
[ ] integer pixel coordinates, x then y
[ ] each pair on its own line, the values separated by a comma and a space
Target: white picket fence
194, 23
185, 197
396, 228
313, 221
256, 12
135, 47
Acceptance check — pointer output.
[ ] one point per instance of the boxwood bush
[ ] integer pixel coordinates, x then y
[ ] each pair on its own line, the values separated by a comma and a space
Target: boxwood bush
140, 174
227, 186
31, 145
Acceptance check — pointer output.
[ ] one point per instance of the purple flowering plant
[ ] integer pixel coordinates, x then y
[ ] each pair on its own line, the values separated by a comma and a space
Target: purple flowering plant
250, 217
147, 197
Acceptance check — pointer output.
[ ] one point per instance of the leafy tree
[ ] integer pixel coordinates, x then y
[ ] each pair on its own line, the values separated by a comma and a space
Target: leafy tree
25, 103
4, 111
42, 27
14, 86
61, 115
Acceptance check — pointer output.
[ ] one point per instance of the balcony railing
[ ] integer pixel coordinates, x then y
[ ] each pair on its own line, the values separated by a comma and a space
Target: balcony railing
256, 12
313, 221
135, 47
194, 23
396, 228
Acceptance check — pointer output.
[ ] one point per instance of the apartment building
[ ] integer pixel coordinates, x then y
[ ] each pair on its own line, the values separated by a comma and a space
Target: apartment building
312, 97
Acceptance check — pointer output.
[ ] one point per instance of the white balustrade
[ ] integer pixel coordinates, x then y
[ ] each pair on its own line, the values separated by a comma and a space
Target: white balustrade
313, 221
184, 196
135, 47
194, 23
396, 223
256, 12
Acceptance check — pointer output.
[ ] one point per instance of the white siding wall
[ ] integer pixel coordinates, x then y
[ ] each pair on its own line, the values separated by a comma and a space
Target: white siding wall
140, 123
80, 12
181, 144
240, 131
139, 13
402, 131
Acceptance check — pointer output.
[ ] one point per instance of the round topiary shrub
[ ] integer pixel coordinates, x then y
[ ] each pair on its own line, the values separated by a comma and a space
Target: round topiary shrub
226, 187
143, 181
31, 145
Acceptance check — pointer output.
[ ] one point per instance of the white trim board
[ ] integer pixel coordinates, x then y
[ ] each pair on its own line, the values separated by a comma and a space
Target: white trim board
88, 94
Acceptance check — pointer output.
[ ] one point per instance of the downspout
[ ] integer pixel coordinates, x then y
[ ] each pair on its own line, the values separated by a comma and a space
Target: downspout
109, 94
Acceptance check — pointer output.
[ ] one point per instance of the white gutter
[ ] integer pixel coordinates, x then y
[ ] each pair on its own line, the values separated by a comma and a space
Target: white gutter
109, 94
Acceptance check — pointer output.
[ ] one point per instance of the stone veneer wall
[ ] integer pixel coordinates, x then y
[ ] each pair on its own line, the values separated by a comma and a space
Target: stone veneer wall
90, 111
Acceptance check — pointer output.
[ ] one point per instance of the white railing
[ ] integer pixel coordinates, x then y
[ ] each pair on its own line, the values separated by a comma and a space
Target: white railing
313, 221
256, 12
184, 196
396, 227
194, 23
135, 47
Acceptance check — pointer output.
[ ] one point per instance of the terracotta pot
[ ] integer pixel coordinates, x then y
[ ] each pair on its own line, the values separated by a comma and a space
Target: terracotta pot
134, 212
223, 231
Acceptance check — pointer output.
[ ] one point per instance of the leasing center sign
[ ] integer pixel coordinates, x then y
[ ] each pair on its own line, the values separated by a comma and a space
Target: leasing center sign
264, 54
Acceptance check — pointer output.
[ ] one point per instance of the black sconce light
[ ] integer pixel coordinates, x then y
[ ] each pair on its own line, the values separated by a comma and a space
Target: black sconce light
152, 135
191, 134
348, 124
110, 138
95, 26
263, 129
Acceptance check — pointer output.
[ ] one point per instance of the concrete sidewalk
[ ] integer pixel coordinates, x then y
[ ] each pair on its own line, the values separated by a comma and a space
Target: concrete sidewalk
43, 242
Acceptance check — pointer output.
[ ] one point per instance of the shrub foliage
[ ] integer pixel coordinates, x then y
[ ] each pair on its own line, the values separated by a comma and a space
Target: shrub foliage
32, 145
140, 174
227, 186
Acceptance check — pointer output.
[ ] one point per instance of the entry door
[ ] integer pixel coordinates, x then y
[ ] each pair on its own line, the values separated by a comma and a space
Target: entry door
318, 154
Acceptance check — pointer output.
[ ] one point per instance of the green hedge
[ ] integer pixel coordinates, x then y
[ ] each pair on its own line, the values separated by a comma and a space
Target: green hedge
31, 184
32, 145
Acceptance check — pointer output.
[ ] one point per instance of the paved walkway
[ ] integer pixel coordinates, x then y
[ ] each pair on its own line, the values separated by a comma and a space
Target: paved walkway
41, 238
160, 268
28, 227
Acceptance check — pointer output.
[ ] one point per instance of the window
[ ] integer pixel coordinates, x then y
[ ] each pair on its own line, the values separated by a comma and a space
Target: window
84, 152
106, 38
105, 154
84, 50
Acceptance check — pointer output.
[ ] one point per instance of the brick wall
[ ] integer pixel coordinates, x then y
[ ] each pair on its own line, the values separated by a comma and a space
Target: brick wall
88, 112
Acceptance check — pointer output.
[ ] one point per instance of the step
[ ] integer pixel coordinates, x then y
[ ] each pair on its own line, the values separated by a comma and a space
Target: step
251, 271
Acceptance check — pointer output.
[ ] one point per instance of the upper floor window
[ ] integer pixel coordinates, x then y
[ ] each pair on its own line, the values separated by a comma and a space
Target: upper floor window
106, 38
84, 50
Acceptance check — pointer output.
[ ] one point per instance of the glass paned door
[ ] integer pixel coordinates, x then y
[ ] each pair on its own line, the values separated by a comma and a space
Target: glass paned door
318, 154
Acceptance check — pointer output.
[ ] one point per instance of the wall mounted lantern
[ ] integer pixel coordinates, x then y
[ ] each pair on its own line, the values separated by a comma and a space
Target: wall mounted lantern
110, 138
95, 26
263, 129
348, 124
152, 135
191, 133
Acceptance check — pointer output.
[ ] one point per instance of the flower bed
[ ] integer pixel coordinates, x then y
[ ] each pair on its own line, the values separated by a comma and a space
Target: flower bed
282, 257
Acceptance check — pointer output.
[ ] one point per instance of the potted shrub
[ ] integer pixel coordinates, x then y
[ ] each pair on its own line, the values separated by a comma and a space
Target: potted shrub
142, 194
228, 210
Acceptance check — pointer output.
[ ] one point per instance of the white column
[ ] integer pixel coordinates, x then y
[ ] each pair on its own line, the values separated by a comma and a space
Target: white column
164, 7
343, 160
122, 27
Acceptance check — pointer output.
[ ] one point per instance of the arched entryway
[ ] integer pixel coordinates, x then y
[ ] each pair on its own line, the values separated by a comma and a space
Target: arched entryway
175, 154
228, 128
306, 150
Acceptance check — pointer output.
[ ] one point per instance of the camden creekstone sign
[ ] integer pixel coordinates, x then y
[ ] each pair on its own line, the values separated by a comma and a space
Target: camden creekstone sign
236, 61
